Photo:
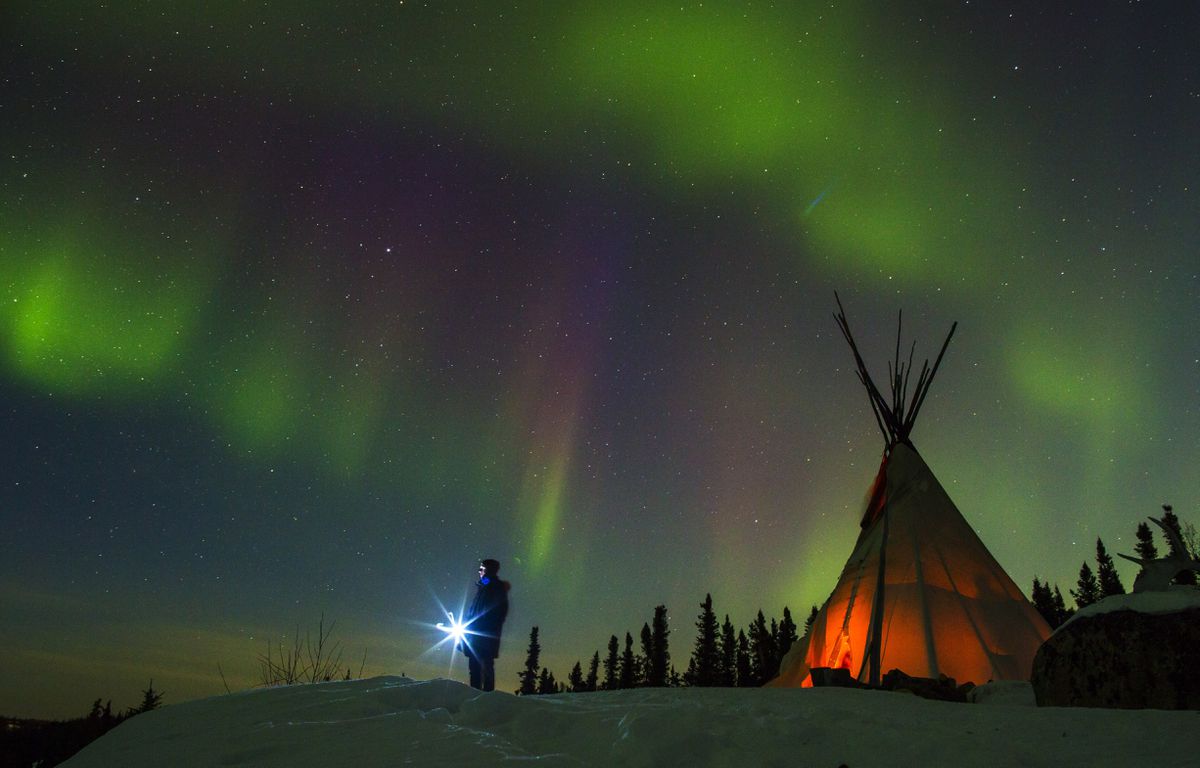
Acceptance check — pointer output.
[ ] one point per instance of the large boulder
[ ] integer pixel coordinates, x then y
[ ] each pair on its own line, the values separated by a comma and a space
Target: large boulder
1137, 651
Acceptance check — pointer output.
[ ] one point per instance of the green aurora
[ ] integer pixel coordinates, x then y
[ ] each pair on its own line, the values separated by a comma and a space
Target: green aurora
305, 309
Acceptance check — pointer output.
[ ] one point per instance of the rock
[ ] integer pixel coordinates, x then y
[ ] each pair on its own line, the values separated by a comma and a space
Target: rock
942, 689
829, 676
1122, 659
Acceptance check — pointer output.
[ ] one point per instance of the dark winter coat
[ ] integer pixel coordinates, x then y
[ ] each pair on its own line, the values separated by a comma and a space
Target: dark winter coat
485, 618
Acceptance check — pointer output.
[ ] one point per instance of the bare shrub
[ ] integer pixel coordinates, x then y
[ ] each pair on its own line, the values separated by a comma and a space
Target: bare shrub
313, 659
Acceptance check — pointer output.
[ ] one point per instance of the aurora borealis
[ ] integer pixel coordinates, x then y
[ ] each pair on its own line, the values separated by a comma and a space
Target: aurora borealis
306, 309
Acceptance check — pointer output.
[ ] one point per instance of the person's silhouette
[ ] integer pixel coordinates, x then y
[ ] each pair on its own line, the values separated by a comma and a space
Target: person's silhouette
484, 622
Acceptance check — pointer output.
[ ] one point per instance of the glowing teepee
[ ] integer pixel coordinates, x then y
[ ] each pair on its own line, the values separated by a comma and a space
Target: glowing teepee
920, 592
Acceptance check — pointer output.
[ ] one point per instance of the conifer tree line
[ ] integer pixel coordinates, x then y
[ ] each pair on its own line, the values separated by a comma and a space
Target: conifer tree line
35, 742
1093, 585
721, 655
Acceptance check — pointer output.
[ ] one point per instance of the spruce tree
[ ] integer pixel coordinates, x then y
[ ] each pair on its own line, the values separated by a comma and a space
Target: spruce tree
787, 634
812, 616
1043, 601
659, 636
728, 671
1171, 521
689, 674
612, 665
776, 657
575, 679
674, 679
705, 655
1061, 611
546, 683
529, 677
1145, 548
1110, 580
629, 672
1087, 589
151, 699
647, 655
762, 651
593, 674
745, 671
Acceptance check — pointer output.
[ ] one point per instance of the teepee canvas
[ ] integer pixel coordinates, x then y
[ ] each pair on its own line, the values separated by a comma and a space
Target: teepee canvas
920, 592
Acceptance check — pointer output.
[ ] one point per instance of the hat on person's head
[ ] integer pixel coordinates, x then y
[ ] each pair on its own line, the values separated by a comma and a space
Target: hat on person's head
490, 566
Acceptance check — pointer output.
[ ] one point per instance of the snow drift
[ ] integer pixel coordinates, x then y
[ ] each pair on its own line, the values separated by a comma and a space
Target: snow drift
390, 721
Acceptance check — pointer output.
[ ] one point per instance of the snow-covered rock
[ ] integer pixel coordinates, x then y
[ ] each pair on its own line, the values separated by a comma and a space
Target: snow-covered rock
392, 721
1130, 651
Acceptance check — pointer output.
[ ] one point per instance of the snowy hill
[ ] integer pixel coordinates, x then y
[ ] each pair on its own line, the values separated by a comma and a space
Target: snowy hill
390, 721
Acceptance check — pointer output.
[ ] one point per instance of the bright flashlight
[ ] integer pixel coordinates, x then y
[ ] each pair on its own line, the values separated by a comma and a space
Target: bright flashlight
455, 629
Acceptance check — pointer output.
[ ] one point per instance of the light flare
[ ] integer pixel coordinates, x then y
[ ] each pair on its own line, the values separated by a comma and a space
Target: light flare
455, 630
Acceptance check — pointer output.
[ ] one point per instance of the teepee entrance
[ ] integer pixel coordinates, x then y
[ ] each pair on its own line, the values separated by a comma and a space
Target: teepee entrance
920, 592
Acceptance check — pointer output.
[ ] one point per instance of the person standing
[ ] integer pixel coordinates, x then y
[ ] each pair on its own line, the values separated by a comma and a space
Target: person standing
484, 623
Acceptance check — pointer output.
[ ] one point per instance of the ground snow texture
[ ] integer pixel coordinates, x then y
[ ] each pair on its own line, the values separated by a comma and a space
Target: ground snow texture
392, 721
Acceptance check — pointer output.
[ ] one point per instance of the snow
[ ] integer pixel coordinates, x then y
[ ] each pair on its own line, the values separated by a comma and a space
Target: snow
1017, 693
1178, 598
392, 721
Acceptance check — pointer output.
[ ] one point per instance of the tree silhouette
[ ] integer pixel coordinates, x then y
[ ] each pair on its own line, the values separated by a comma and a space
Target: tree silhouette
705, 656
151, 699
728, 670
647, 654
546, 683
762, 651
529, 677
773, 665
1145, 548
1061, 611
612, 665
593, 672
1087, 589
660, 643
787, 637
1170, 520
629, 666
1050, 604
1043, 601
745, 669
812, 616
1109, 579
575, 679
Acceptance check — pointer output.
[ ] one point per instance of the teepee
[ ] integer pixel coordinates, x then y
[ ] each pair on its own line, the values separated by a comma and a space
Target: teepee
920, 592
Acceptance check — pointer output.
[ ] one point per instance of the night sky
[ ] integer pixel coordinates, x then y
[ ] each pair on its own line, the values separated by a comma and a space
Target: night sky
306, 310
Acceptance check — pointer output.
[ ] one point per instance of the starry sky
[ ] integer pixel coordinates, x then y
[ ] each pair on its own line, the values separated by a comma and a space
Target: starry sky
304, 310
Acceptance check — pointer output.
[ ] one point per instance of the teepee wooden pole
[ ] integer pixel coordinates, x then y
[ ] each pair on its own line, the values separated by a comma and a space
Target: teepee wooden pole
933, 372
883, 412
